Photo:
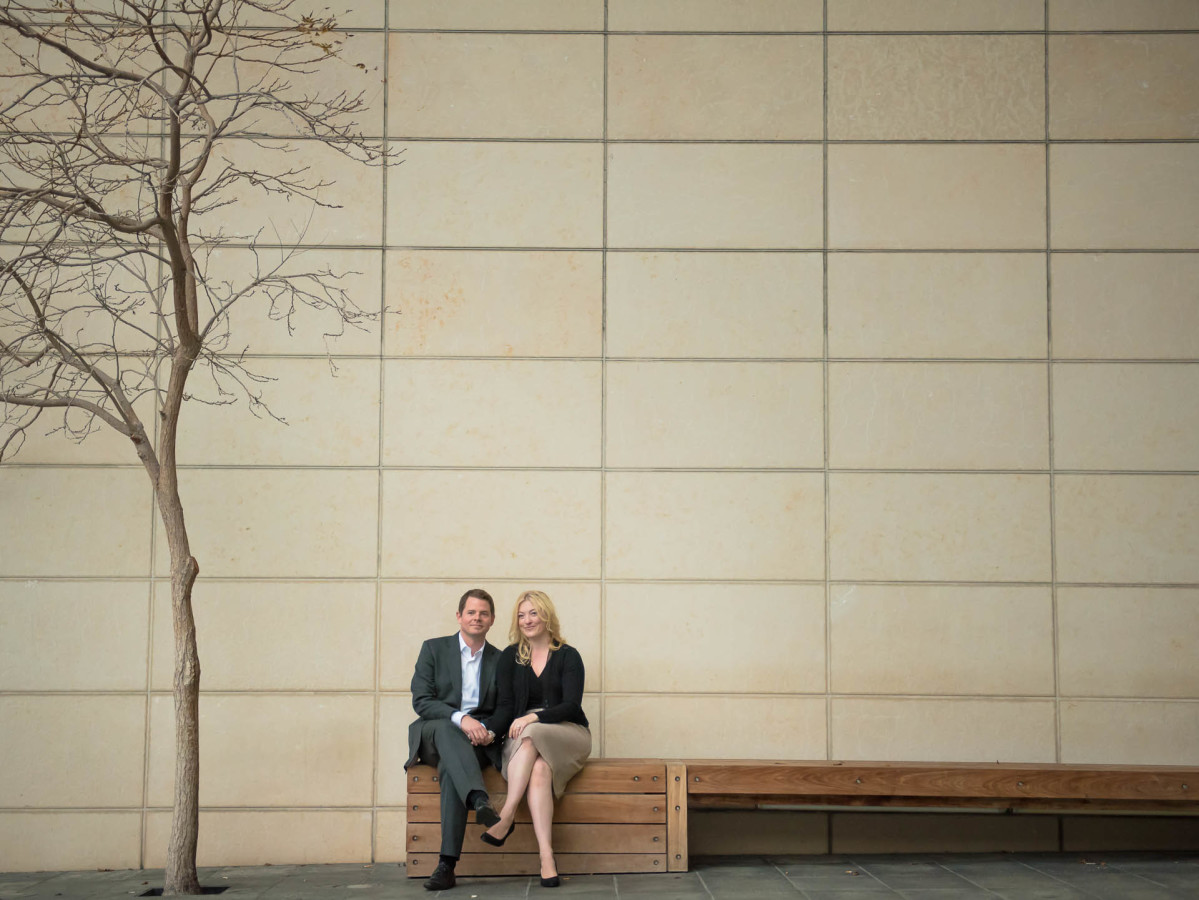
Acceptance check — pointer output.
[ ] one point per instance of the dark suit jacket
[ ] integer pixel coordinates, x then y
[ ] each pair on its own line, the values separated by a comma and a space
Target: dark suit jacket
562, 681
437, 691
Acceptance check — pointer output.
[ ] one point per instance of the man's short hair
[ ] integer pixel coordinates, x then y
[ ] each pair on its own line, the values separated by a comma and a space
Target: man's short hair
476, 594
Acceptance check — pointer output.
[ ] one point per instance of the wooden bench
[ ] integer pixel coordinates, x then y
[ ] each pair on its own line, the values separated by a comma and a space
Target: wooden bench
740, 784
617, 815
630, 815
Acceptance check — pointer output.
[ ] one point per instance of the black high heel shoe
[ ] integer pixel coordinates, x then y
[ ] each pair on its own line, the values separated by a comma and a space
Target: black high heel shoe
552, 881
495, 841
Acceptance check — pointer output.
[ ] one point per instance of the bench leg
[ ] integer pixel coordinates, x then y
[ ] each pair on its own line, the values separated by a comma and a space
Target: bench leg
676, 817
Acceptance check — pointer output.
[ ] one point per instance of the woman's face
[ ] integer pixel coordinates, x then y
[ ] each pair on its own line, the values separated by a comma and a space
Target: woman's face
532, 626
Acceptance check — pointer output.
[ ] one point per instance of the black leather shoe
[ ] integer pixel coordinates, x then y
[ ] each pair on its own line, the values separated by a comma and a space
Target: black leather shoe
551, 882
495, 841
442, 879
485, 814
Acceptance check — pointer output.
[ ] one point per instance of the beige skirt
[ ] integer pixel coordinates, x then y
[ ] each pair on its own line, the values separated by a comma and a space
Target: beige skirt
565, 746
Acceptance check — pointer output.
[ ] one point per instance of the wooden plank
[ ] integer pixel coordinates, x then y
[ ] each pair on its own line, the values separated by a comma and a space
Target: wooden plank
1030, 804
943, 780
641, 809
610, 838
600, 776
676, 817
421, 865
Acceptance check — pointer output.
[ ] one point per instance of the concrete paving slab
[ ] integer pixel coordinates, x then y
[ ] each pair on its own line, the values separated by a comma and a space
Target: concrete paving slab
1017, 876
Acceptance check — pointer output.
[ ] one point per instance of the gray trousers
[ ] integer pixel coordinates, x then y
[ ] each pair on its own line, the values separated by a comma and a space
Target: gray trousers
460, 770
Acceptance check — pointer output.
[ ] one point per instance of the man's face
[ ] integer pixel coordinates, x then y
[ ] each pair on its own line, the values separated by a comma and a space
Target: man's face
475, 619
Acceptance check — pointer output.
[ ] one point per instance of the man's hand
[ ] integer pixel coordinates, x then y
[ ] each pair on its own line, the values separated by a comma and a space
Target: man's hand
474, 729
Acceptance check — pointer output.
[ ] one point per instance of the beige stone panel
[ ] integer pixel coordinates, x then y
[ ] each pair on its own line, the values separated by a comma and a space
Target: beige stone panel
936, 15
715, 15
350, 278
715, 305
1124, 86
395, 715
714, 414
329, 412
49, 841
943, 730
510, 15
715, 525
391, 835
921, 305
1118, 15
269, 838
1127, 528
714, 195
492, 412
1126, 416
957, 197
345, 14
279, 522
944, 87
1125, 305
498, 303
481, 194
924, 833
938, 415
491, 524
73, 635
1128, 833
1127, 196
1128, 642
354, 71
93, 522
1130, 732
939, 527
721, 638
688, 87
712, 832
54, 438
55, 746
415, 611
496, 85
263, 635
714, 726
351, 205
935, 639
271, 750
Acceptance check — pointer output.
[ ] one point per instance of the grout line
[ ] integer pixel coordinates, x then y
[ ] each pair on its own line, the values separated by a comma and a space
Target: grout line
1056, 623
555, 579
603, 498
825, 422
379, 507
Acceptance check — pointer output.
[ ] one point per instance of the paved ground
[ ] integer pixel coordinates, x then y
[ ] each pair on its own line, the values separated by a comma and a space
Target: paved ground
1016, 876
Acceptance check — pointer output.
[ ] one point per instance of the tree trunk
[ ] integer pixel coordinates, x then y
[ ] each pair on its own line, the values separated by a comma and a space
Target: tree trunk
181, 875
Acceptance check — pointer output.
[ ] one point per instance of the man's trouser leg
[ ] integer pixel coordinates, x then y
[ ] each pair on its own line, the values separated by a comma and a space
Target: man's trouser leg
459, 769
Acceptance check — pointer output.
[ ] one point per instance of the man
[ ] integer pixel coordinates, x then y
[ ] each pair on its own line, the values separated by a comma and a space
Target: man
454, 693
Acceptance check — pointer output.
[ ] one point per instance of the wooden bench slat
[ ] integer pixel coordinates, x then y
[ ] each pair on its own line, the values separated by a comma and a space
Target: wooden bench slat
799, 779
421, 865
599, 777
568, 838
1029, 804
573, 808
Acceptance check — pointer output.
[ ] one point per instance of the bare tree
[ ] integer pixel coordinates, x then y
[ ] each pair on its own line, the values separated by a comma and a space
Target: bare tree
119, 259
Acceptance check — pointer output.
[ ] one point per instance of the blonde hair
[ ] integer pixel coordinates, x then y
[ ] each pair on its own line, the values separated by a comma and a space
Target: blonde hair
547, 614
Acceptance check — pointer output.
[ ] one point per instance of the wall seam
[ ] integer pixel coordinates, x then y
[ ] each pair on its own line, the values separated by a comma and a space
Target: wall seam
828, 618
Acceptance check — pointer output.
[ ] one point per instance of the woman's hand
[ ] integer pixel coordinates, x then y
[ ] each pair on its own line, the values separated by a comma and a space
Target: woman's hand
519, 725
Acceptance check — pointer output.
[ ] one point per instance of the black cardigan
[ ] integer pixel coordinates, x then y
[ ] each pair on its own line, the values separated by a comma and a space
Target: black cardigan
562, 680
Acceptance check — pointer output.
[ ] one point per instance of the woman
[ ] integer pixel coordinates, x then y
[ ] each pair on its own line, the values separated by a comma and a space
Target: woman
540, 681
